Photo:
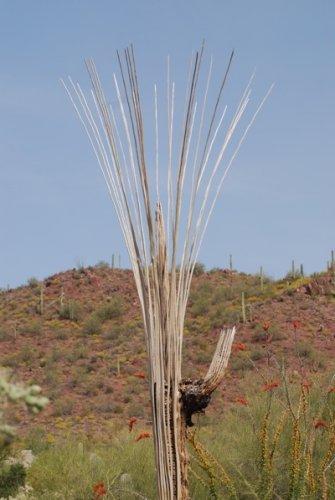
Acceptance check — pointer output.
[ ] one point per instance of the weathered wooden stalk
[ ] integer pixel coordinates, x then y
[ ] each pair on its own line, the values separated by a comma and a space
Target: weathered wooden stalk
162, 259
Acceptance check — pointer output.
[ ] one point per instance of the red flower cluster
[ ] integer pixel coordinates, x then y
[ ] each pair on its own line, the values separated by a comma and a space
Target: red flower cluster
99, 490
143, 435
266, 325
306, 384
139, 374
320, 424
332, 389
270, 386
296, 324
131, 422
241, 401
239, 346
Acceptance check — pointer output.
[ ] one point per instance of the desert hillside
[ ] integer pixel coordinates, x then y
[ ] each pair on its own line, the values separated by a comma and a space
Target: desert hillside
79, 335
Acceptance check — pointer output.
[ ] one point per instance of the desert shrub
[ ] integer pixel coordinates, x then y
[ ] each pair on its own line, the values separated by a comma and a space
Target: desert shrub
118, 409
310, 355
63, 407
224, 315
200, 299
202, 356
257, 354
32, 328
4, 335
259, 335
102, 264
71, 310
70, 468
273, 333
11, 478
277, 334
33, 282
61, 334
200, 307
111, 310
305, 350
282, 447
92, 325
90, 388
214, 270
9, 361
35, 440
26, 355
106, 407
54, 356
240, 363
12, 475
136, 410
199, 325
199, 269
79, 352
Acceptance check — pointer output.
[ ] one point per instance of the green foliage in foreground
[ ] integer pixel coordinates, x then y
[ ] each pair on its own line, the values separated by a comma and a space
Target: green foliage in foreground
70, 469
276, 442
11, 393
12, 475
11, 478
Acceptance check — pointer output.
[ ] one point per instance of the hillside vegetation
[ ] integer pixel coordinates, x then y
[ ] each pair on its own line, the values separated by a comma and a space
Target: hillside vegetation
78, 334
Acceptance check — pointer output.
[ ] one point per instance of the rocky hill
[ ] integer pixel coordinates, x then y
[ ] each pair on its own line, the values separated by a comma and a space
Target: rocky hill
79, 335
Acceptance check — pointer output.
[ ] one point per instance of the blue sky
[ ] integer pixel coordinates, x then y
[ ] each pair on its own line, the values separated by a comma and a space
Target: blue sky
278, 203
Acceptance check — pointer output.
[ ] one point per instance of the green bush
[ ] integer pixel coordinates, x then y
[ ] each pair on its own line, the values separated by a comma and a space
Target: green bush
11, 478
72, 311
257, 355
70, 468
92, 325
305, 350
4, 335
63, 407
33, 282
111, 310
199, 269
33, 328
102, 264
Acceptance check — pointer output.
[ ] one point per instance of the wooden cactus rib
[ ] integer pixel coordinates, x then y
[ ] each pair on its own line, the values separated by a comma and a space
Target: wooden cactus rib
220, 360
152, 229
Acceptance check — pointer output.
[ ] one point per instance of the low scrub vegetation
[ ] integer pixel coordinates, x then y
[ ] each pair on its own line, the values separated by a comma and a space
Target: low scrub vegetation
275, 440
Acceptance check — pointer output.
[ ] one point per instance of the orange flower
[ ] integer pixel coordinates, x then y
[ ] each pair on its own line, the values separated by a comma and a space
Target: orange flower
139, 374
306, 385
320, 424
332, 389
143, 435
241, 401
99, 490
296, 324
239, 346
270, 386
131, 422
266, 325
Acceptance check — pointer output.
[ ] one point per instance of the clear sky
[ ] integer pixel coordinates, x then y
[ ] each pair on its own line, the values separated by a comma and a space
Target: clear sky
278, 203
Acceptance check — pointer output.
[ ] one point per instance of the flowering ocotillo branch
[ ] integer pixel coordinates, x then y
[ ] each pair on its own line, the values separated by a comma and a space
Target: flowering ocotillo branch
163, 227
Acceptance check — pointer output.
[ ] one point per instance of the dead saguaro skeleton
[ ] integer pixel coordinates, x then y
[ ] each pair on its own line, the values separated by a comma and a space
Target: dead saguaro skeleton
163, 237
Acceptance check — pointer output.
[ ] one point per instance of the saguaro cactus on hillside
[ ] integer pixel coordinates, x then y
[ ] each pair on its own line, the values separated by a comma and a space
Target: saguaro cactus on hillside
163, 206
